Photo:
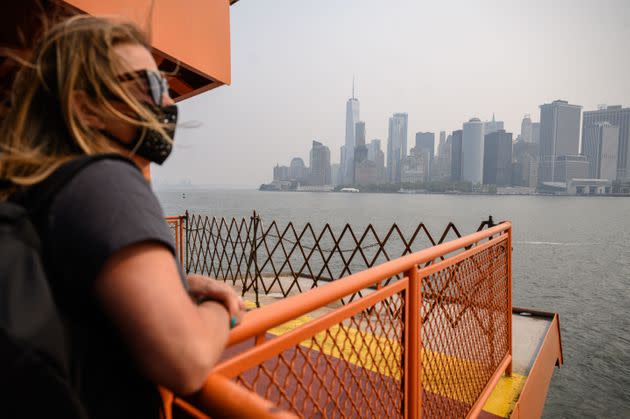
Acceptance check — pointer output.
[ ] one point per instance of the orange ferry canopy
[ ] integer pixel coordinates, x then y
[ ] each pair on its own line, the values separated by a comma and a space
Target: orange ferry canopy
190, 36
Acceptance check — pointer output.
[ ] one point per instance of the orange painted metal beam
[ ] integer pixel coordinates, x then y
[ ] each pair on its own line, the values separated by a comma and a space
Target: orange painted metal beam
263, 319
413, 326
532, 399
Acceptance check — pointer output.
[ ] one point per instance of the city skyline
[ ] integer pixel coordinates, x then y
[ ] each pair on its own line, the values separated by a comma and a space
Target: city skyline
277, 103
562, 153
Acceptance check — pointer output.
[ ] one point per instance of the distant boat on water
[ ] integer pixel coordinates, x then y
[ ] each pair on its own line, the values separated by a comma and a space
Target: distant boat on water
353, 190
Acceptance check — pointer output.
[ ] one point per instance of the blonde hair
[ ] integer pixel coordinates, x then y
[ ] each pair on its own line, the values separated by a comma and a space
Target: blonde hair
43, 128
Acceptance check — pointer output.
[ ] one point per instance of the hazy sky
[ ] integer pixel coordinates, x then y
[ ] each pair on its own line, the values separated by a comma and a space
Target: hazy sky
442, 62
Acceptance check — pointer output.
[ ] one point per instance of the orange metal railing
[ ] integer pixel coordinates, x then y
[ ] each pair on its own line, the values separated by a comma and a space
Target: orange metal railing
430, 344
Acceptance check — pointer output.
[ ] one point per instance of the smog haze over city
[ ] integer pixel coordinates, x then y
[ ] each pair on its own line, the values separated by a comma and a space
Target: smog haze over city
441, 62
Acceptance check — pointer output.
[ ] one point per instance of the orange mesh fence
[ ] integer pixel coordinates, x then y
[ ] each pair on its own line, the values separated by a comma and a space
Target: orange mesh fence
349, 365
465, 328
427, 345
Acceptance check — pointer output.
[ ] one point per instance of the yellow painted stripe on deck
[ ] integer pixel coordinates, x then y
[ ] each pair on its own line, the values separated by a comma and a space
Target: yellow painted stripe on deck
505, 395
443, 374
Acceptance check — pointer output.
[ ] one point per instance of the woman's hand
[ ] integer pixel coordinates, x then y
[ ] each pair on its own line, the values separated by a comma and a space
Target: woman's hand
205, 288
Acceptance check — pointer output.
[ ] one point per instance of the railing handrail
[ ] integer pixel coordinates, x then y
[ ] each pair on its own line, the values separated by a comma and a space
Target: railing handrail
226, 399
289, 308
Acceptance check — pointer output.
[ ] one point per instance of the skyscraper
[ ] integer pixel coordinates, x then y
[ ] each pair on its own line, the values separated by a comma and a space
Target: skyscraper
442, 163
320, 164
536, 132
298, 170
425, 145
492, 126
425, 141
600, 145
497, 158
472, 151
376, 155
334, 174
280, 172
396, 146
525, 168
620, 117
442, 139
342, 164
456, 155
526, 129
360, 150
359, 133
373, 147
559, 136
352, 117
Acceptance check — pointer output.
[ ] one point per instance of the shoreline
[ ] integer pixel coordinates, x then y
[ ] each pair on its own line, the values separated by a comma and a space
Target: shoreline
455, 193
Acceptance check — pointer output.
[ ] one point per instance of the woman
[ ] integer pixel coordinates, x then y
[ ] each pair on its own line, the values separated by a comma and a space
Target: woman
92, 87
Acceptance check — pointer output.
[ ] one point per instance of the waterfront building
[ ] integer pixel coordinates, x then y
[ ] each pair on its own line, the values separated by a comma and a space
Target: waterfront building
497, 158
320, 165
396, 146
589, 187
367, 173
280, 172
414, 167
352, 117
619, 117
569, 167
559, 136
456, 155
600, 145
472, 151
298, 170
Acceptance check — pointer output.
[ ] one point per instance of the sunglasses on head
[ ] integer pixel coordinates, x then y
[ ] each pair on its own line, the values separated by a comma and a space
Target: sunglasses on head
156, 83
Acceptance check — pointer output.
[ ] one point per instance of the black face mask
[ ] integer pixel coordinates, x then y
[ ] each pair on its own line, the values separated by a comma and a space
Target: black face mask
149, 143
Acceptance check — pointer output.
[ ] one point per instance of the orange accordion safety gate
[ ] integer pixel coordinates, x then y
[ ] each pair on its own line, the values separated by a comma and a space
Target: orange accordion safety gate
425, 335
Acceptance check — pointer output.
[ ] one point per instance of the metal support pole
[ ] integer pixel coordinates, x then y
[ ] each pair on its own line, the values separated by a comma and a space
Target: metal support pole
253, 257
413, 367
